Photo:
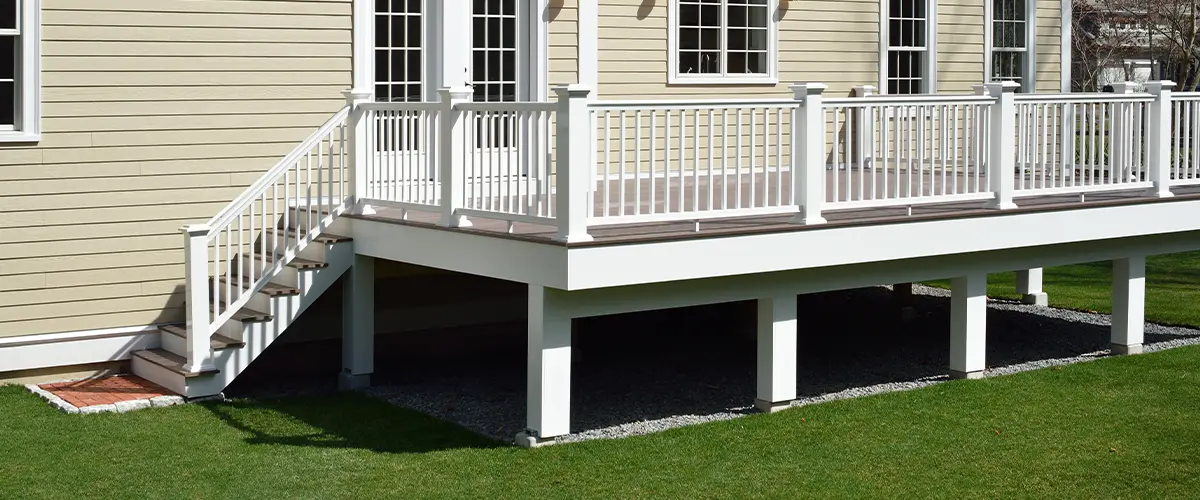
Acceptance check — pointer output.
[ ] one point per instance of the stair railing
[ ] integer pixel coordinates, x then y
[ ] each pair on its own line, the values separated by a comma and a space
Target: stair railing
236, 253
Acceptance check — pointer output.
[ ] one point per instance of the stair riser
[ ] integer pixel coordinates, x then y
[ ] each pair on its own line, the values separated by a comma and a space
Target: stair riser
174, 344
159, 375
258, 301
285, 276
311, 251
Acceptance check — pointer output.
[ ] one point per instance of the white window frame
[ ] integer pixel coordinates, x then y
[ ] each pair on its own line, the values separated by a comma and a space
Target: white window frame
929, 80
771, 77
28, 124
1029, 68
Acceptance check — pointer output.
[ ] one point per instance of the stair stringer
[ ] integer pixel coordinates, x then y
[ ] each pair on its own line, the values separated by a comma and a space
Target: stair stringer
258, 336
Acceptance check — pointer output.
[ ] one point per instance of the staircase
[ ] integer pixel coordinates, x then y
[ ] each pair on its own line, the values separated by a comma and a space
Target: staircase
255, 267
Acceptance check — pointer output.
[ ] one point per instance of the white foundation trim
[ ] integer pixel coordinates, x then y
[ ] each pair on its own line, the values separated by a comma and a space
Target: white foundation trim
75, 348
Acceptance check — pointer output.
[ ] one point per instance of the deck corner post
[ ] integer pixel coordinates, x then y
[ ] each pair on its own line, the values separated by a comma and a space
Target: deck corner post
357, 152
358, 324
777, 346
808, 152
968, 325
1002, 138
451, 155
548, 382
573, 168
1128, 304
1159, 156
197, 286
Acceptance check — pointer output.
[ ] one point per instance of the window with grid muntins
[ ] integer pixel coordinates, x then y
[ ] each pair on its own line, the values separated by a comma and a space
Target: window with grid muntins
494, 50
723, 38
1009, 50
398, 55
10, 64
908, 46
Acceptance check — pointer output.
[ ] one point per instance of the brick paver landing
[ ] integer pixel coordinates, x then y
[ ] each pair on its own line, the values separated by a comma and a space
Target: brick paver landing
107, 390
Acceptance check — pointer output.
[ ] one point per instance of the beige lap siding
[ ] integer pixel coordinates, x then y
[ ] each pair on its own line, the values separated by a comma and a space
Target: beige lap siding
1049, 46
156, 113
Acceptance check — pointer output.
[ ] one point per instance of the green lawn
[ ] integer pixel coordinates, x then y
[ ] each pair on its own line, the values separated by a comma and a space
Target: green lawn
1172, 287
1118, 427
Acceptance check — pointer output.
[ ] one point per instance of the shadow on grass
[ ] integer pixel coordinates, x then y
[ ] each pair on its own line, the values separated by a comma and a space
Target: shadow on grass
343, 421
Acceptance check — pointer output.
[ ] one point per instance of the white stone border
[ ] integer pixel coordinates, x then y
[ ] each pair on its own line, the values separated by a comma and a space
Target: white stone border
119, 407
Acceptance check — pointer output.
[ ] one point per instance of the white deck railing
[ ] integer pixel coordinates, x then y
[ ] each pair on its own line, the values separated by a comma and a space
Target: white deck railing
1185, 138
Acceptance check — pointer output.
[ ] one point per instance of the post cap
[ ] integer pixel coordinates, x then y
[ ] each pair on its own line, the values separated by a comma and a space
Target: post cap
865, 90
805, 89
980, 89
572, 91
354, 95
1005, 87
195, 229
1124, 87
1159, 86
458, 93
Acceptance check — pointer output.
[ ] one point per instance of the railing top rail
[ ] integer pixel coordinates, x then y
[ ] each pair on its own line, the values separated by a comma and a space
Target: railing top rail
401, 106
1078, 98
908, 100
1186, 96
635, 105
513, 107
260, 186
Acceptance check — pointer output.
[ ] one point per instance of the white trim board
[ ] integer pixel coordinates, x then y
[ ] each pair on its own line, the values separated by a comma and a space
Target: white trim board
75, 348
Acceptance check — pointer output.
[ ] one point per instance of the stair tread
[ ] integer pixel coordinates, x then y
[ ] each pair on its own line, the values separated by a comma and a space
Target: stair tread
272, 288
297, 262
218, 341
323, 237
170, 361
246, 314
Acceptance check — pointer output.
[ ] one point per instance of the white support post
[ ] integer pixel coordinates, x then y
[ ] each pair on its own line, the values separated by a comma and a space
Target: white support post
1029, 285
549, 370
452, 155
1002, 139
1128, 304
453, 44
808, 153
864, 116
776, 352
572, 164
968, 325
358, 324
196, 289
1158, 138
357, 152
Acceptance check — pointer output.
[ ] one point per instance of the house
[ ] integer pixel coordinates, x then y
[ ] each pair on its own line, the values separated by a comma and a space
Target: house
182, 179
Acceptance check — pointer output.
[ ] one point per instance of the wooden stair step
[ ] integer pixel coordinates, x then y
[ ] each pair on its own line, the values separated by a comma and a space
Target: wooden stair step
297, 262
245, 314
217, 340
170, 361
321, 238
271, 289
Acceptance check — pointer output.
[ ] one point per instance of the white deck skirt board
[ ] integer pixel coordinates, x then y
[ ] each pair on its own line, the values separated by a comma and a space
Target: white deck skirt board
641, 263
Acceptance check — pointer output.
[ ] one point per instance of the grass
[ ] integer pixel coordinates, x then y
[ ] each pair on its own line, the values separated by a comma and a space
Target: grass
1172, 287
1117, 427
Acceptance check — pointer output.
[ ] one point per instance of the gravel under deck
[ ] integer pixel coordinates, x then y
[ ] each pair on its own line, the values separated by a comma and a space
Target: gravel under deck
698, 365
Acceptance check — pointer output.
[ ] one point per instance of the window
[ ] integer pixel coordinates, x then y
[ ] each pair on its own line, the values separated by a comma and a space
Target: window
398, 54
494, 50
19, 70
1009, 53
908, 69
723, 41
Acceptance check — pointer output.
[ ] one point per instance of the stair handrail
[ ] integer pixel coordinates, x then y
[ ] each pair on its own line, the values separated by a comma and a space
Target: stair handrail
259, 186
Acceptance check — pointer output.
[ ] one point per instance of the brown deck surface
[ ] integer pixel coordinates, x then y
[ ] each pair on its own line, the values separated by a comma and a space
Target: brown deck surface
645, 232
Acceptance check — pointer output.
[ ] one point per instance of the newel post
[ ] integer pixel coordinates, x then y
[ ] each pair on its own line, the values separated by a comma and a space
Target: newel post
1158, 138
357, 151
1002, 137
195, 272
452, 155
808, 153
572, 163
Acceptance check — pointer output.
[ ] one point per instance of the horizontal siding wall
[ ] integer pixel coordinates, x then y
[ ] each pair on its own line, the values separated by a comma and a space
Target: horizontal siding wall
961, 45
156, 113
1049, 46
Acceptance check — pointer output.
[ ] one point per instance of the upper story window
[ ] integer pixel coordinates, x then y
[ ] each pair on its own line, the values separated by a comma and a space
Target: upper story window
1009, 51
909, 59
20, 60
723, 41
